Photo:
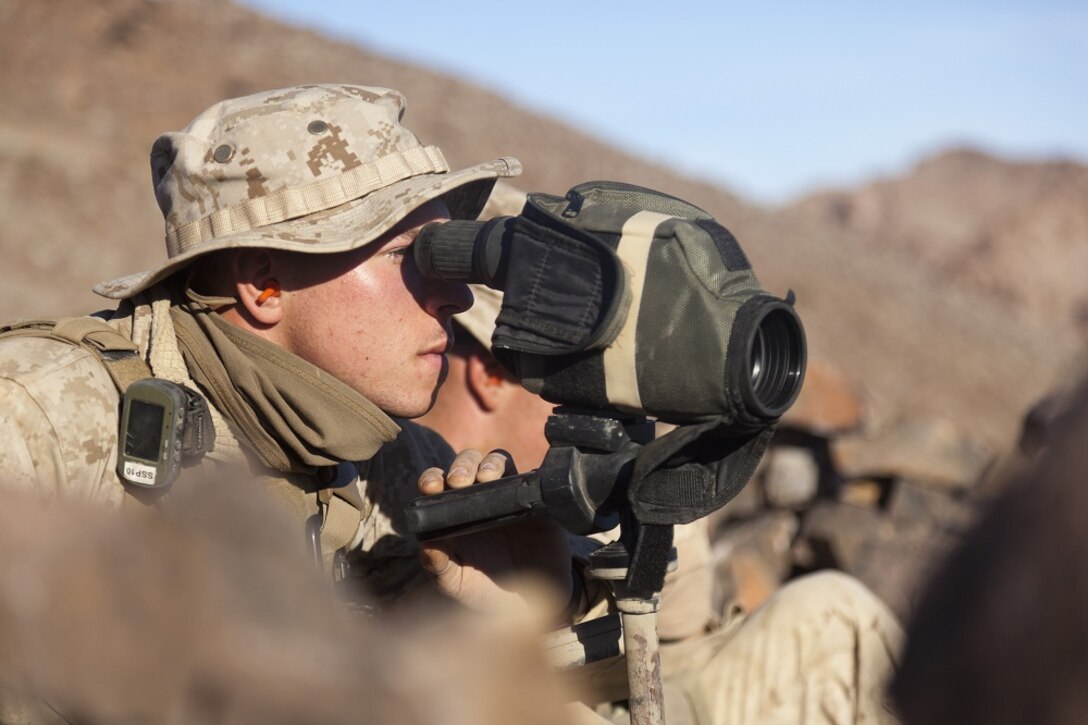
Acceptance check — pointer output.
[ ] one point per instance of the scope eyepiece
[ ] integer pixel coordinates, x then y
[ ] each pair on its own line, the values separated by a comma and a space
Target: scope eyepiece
463, 251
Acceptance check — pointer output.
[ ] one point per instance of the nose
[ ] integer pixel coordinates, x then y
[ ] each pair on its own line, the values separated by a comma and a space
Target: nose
444, 299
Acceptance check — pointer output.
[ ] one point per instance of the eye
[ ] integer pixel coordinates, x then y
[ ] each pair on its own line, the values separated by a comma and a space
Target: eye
399, 254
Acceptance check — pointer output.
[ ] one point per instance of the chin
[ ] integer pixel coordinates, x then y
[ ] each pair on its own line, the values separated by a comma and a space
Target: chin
411, 408
422, 403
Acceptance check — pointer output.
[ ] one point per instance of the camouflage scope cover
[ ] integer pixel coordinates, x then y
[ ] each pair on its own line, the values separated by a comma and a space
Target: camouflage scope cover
624, 298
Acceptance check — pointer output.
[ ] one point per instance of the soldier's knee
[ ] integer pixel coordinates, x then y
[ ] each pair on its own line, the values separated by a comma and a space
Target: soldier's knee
833, 593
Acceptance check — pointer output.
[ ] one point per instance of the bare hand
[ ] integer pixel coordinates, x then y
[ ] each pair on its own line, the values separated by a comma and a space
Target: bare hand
485, 570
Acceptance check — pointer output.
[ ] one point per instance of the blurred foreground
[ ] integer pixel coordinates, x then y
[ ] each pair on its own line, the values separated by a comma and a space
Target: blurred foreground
1001, 634
212, 614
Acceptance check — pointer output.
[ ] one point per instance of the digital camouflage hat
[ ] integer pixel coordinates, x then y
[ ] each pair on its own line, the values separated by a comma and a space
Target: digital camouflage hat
316, 168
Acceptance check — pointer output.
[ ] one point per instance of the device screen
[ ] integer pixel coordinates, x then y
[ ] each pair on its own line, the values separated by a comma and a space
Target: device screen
143, 439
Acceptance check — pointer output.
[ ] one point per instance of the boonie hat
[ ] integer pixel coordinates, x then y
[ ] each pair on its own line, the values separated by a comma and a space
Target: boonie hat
315, 168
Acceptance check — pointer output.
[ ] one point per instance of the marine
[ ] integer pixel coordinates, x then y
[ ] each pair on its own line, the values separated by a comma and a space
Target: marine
289, 303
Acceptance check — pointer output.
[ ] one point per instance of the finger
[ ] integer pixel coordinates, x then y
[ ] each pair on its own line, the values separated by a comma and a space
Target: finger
463, 470
431, 481
495, 465
435, 561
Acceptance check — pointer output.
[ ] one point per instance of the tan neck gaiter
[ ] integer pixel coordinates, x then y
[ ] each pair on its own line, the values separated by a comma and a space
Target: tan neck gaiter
296, 416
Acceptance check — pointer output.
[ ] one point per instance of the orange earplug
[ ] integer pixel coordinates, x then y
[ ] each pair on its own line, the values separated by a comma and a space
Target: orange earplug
272, 289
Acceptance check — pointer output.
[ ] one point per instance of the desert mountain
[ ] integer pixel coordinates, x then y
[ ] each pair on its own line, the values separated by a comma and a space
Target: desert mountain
88, 86
1015, 232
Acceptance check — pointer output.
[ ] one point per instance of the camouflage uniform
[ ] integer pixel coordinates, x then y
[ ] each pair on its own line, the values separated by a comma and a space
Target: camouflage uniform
821, 650
58, 429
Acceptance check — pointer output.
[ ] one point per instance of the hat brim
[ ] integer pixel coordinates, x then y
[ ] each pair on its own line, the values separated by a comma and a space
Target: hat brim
342, 228
479, 319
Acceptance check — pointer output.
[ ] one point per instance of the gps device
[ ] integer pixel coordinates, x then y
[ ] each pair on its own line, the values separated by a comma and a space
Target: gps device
162, 425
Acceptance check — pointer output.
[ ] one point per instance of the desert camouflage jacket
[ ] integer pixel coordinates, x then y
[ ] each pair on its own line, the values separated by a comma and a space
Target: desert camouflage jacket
58, 439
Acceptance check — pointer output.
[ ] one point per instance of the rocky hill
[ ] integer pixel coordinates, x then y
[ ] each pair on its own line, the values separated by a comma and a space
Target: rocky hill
88, 86
1016, 232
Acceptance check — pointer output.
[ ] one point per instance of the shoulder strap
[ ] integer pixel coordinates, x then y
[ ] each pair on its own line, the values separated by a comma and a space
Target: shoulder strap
119, 355
330, 518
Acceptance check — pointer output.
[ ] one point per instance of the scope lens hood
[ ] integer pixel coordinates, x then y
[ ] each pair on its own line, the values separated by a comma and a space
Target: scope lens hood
772, 358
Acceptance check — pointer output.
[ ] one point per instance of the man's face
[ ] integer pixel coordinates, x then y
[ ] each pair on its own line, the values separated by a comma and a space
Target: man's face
372, 320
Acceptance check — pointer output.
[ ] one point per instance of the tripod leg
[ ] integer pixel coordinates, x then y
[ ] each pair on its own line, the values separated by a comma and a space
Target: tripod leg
647, 702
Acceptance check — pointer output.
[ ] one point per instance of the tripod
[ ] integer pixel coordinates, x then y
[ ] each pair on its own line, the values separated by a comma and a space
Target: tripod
582, 483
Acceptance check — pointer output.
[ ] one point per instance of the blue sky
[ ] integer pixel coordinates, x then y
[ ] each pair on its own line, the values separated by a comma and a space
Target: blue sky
769, 99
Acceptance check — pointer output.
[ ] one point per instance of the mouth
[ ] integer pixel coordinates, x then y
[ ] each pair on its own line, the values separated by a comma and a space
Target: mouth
440, 347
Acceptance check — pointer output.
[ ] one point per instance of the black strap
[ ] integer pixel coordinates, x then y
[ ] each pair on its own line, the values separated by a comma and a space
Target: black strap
646, 573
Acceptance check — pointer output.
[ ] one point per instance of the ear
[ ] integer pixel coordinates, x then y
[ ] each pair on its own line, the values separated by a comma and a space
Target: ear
487, 380
256, 285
